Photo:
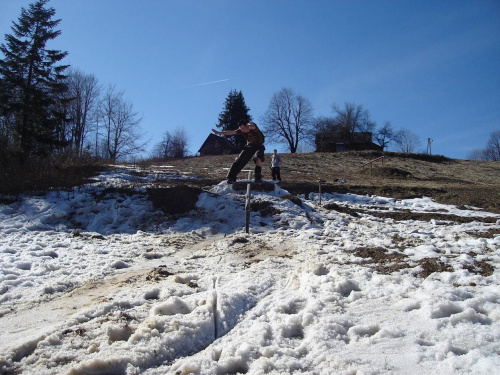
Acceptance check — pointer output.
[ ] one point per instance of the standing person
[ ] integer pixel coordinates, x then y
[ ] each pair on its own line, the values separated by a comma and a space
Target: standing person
275, 166
254, 148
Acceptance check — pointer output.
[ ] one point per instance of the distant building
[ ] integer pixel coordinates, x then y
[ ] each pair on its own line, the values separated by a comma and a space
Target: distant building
337, 142
215, 145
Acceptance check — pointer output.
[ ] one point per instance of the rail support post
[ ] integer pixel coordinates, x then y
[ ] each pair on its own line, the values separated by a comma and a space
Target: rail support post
320, 181
248, 203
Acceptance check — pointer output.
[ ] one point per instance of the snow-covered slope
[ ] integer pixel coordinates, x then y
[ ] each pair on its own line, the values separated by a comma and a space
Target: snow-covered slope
98, 282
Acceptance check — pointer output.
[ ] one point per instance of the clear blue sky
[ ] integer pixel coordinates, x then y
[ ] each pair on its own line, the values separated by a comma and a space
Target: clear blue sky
429, 66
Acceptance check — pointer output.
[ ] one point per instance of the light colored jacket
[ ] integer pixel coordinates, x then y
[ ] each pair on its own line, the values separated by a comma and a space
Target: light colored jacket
275, 161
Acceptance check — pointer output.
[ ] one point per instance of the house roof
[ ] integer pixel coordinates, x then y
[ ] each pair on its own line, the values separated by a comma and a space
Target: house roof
222, 142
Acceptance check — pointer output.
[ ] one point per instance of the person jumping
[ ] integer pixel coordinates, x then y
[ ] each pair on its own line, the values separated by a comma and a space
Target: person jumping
253, 149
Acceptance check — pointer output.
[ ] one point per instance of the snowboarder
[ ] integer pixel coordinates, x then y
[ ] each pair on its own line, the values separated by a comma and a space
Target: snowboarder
275, 166
254, 148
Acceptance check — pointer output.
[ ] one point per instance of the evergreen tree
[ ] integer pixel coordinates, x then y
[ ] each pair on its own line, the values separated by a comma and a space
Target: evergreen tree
235, 110
32, 84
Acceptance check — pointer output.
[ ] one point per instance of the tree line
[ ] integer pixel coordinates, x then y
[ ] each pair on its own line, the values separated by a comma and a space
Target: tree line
289, 120
49, 109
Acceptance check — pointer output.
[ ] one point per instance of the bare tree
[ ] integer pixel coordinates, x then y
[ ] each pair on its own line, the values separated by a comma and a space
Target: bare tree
84, 90
353, 120
407, 141
173, 145
477, 154
180, 143
162, 149
288, 118
385, 135
493, 147
492, 150
121, 124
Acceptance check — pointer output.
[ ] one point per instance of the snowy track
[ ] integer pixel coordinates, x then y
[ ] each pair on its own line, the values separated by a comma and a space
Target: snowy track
311, 290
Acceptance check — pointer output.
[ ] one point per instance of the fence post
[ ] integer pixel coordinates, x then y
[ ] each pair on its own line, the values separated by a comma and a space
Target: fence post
247, 203
320, 181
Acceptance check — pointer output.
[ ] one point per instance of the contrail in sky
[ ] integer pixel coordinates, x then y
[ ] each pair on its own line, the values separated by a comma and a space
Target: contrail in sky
206, 83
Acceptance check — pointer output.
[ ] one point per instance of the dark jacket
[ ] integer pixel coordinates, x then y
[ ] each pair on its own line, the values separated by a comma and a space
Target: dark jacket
254, 137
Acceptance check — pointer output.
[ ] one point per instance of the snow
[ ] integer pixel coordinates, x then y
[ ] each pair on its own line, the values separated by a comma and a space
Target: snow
96, 281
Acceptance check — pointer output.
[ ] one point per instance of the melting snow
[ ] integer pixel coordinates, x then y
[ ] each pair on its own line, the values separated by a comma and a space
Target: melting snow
93, 281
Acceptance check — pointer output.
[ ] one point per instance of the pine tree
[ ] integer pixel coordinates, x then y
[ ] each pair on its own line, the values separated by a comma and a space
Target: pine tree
32, 84
235, 110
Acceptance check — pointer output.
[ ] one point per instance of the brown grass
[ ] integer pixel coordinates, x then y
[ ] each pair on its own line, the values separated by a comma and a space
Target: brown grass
39, 175
451, 181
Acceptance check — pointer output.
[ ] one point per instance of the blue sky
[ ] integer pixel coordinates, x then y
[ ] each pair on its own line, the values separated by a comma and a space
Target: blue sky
429, 66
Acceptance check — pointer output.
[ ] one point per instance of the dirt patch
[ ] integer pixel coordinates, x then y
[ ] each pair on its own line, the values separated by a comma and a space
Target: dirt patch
342, 209
431, 265
405, 215
480, 268
158, 273
385, 262
392, 172
265, 208
174, 200
294, 199
490, 233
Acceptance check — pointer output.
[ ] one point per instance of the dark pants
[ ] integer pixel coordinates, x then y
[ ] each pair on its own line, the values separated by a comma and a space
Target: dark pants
243, 158
276, 173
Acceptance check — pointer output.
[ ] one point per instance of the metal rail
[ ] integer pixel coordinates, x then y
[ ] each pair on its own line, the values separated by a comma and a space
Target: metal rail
372, 161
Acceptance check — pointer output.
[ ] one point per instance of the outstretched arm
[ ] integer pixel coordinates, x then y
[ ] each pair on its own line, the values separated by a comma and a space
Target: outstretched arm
224, 132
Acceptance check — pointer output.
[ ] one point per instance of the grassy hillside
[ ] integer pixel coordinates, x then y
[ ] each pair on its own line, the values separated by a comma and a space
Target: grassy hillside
454, 181
460, 182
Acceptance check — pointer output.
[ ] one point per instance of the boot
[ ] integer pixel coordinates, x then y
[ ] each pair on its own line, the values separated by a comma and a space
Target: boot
258, 175
236, 168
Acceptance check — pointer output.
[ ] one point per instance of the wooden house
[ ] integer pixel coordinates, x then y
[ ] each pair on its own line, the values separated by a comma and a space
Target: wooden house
335, 142
215, 145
